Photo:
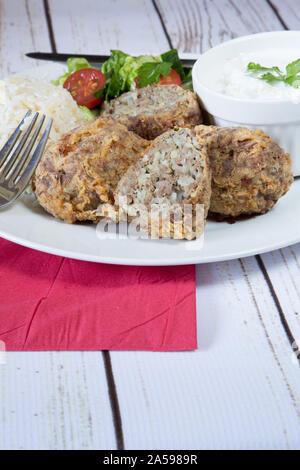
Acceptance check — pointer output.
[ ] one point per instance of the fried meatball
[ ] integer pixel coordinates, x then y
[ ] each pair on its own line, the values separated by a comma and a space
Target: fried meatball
250, 171
152, 110
82, 169
173, 180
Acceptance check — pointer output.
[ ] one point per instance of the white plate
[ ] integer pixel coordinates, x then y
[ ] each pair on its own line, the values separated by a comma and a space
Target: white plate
27, 224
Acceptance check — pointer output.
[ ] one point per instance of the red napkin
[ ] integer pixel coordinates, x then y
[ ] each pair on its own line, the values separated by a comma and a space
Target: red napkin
53, 303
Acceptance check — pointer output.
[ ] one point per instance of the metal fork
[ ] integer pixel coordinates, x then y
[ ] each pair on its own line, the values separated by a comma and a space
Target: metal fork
17, 162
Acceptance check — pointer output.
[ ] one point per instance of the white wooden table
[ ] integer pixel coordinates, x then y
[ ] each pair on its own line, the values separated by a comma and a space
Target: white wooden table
241, 389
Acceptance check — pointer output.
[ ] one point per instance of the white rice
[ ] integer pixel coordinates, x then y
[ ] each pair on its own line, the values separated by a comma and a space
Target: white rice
18, 94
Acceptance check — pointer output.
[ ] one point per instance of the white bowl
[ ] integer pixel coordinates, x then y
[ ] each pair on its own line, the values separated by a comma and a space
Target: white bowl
279, 119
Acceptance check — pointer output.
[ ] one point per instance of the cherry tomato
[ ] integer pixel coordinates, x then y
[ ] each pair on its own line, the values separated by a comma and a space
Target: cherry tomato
173, 78
83, 84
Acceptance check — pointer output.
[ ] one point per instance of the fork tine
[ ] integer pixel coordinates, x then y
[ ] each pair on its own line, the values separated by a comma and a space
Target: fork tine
10, 162
33, 162
12, 140
22, 161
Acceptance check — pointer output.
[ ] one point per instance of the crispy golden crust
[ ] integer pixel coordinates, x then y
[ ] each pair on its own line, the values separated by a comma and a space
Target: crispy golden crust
82, 169
250, 172
152, 110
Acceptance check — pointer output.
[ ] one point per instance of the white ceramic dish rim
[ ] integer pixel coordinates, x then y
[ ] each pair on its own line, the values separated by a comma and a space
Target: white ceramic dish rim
238, 40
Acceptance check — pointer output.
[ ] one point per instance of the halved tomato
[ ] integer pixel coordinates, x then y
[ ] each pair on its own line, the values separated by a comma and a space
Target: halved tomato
83, 84
173, 78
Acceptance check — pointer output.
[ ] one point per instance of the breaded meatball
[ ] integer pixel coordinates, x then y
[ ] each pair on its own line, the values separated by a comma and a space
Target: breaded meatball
152, 110
82, 169
173, 179
250, 172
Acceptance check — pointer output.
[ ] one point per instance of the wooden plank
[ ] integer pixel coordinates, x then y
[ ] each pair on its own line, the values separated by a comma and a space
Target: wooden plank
22, 29
283, 268
288, 12
47, 400
131, 26
240, 390
56, 400
195, 26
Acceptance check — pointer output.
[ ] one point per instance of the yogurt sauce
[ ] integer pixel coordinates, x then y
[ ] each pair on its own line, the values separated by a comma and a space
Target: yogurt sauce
236, 81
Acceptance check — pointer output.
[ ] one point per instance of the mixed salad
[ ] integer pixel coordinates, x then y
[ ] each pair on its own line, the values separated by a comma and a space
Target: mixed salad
122, 72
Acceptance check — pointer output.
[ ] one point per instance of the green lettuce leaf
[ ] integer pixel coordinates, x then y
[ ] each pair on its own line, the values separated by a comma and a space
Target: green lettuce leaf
115, 84
187, 82
121, 71
130, 69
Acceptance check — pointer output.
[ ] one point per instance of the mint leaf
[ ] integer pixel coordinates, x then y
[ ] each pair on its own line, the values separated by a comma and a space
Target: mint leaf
274, 74
150, 72
293, 80
296, 82
269, 77
258, 68
293, 68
